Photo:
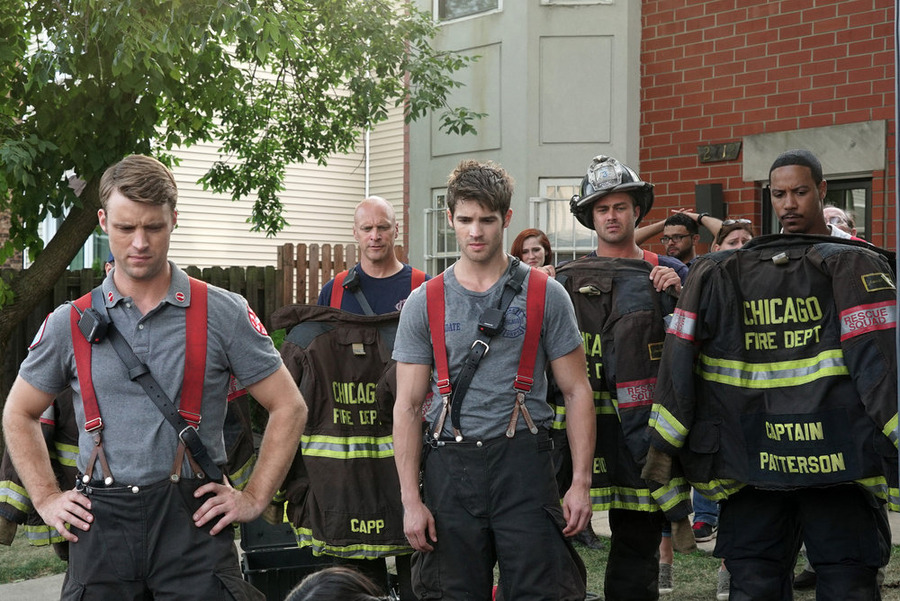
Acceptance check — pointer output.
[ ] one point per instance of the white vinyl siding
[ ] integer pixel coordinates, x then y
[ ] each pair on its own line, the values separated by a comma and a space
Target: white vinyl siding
318, 203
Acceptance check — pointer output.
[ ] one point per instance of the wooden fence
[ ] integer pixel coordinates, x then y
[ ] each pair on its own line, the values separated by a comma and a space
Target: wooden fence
305, 268
302, 270
259, 285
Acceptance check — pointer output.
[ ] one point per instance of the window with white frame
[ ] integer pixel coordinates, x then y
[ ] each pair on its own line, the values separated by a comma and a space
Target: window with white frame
440, 240
92, 255
550, 213
447, 10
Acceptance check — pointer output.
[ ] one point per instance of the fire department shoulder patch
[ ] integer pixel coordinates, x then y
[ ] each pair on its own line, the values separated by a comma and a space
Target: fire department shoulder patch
877, 281
257, 324
40, 334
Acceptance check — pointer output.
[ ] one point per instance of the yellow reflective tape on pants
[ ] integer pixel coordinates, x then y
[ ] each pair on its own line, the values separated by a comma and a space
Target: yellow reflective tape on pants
773, 375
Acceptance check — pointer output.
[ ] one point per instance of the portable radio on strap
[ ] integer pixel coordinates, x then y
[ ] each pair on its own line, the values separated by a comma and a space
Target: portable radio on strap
90, 326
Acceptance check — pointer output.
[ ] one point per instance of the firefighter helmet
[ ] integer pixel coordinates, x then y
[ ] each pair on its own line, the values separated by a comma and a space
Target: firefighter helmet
604, 176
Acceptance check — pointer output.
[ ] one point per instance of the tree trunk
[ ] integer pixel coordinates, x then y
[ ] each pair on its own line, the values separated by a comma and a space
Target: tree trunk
33, 284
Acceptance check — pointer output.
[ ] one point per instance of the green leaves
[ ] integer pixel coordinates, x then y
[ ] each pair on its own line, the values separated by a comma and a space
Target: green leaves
85, 82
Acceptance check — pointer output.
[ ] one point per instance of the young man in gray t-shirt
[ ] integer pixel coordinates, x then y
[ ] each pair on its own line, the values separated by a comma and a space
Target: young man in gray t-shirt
487, 497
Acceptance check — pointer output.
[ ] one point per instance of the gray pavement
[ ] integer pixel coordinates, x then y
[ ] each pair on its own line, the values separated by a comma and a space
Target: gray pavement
48, 587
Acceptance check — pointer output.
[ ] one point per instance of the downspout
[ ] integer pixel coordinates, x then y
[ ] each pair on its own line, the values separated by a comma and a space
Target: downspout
366, 151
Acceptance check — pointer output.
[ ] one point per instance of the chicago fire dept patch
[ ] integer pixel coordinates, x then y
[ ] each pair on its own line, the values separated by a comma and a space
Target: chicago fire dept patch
255, 322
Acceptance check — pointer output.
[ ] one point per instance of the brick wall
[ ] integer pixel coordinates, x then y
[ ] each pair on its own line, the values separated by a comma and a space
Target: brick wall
15, 262
715, 71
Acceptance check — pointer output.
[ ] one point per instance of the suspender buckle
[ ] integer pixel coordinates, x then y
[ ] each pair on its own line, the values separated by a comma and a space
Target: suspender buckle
93, 425
483, 343
189, 436
523, 383
193, 419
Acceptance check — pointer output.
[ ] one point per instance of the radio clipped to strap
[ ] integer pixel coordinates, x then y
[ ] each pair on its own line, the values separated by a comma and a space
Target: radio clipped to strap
186, 418
490, 324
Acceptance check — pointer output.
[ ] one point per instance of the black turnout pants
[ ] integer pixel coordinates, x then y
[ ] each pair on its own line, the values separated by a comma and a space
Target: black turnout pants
632, 570
143, 544
847, 538
496, 502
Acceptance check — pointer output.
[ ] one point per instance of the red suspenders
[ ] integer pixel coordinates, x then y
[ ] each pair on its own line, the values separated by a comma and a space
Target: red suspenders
337, 288
534, 304
651, 258
194, 360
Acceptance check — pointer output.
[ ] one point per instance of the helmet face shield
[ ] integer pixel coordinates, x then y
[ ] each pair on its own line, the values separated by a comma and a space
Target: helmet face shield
604, 176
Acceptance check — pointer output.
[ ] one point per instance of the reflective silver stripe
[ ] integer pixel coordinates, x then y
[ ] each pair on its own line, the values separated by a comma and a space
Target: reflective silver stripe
683, 324
351, 447
636, 393
15, 495
667, 426
41, 536
675, 492
241, 476
66, 454
773, 375
620, 497
718, 490
305, 538
559, 417
868, 318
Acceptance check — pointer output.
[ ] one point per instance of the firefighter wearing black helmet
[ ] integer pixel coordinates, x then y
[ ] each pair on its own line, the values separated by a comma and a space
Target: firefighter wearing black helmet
621, 295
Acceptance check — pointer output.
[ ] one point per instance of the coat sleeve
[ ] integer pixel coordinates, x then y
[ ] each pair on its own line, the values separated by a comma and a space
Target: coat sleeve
676, 388
865, 296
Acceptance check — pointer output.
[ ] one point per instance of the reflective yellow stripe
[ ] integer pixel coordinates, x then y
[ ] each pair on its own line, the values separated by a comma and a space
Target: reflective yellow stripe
41, 536
667, 426
15, 495
890, 430
350, 447
559, 417
773, 375
675, 492
603, 403
305, 538
621, 497
241, 475
66, 454
718, 490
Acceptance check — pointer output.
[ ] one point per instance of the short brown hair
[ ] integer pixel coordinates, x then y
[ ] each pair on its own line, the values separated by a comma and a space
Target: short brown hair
486, 183
543, 240
139, 178
727, 229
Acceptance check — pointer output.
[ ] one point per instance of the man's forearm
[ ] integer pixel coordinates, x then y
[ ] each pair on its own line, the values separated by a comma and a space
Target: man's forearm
277, 449
581, 428
407, 434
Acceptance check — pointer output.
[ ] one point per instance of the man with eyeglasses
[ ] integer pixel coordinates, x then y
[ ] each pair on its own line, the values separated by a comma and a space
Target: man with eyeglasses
680, 237
839, 219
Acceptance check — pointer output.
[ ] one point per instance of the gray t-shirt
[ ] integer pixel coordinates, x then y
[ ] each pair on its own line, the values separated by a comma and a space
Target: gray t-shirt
487, 406
139, 443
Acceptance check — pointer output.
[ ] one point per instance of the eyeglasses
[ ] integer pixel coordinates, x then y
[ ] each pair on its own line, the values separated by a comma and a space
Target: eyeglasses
677, 238
837, 220
734, 221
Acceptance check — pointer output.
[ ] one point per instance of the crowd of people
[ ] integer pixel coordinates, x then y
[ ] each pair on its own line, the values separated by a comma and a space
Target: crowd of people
746, 395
